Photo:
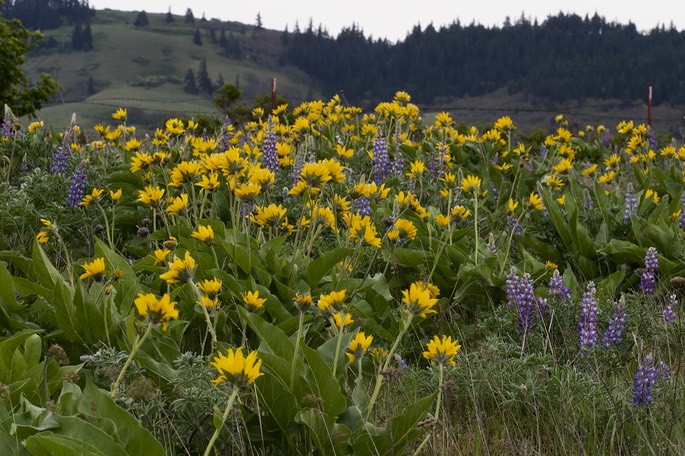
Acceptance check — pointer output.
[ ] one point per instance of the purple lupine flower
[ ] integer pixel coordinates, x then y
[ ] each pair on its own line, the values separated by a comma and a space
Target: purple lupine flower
7, 125
397, 167
651, 137
270, 156
617, 324
59, 161
78, 186
606, 139
631, 203
557, 289
668, 316
647, 281
520, 293
362, 206
381, 162
514, 225
588, 205
226, 134
648, 275
663, 372
645, 378
681, 222
652, 259
543, 151
587, 323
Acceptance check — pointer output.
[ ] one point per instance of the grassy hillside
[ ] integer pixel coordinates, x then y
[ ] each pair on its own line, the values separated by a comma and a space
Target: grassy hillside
142, 68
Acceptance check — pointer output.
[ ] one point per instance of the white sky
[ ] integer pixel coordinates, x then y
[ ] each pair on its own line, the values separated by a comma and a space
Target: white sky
394, 19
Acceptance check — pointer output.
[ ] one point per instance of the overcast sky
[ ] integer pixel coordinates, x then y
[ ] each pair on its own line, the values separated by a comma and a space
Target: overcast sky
394, 19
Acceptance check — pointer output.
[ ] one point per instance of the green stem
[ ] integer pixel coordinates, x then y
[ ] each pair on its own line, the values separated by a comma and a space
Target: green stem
297, 349
338, 346
435, 415
475, 225
229, 406
379, 376
109, 235
210, 326
136, 346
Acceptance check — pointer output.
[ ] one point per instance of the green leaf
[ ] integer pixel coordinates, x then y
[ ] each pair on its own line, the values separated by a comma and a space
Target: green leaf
322, 266
329, 437
8, 348
324, 384
96, 405
394, 437
277, 401
49, 444
272, 338
83, 431
558, 220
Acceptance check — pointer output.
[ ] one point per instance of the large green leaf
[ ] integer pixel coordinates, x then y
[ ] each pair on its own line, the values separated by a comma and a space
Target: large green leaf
395, 436
330, 438
49, 444
322, 266
324, 384
275, 398
97, 406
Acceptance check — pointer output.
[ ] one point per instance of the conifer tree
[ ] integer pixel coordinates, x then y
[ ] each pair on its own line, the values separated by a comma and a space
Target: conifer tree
190, 85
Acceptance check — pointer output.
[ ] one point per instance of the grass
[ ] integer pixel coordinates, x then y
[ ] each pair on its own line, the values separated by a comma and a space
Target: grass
125, 56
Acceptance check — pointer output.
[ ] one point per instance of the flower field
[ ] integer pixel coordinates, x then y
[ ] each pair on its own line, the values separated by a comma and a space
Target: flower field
323, 280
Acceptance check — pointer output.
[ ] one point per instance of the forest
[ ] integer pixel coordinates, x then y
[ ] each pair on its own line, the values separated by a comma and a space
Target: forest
566, 57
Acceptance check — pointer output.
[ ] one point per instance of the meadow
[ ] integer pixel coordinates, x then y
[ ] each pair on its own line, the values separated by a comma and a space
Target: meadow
324, 280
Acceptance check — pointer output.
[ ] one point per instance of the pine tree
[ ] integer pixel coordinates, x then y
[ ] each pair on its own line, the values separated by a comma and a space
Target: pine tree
189, 18
190, 86
222, 38
197, 39
91, 86
212, 36
204, 83
77, 37
169, 18
141, 20
259, 21
87, 38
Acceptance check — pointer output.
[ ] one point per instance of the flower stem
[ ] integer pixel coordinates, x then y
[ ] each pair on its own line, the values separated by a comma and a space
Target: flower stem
339, 344
297, 349
136, 346
210, 326
391, 353
229, 406
437, 410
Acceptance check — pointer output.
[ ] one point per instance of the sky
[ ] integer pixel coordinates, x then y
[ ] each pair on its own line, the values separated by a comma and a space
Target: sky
392, 20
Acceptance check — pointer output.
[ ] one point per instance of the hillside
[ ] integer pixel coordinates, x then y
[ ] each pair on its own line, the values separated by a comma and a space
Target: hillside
143, 68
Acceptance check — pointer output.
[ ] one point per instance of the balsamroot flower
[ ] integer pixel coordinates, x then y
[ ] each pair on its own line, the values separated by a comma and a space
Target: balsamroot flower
157, 311
180, 271
441, 351
94, 269
332, 302
237, 369
212, 287
418, 300
252, 300
204, 233
358, 346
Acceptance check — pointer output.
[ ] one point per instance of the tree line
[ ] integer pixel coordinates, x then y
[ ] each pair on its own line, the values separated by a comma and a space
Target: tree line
566, 57
47, 14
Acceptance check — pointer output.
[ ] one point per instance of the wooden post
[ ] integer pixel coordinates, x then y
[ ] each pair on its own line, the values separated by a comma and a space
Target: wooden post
273, 95
649, 108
